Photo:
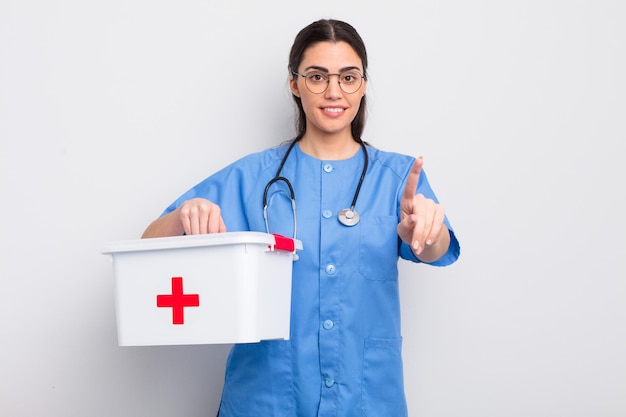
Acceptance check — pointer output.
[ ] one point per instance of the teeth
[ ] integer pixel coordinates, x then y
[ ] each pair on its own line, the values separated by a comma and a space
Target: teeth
333, 110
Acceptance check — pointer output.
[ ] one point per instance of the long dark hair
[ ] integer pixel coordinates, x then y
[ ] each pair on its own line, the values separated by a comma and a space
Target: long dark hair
333, 31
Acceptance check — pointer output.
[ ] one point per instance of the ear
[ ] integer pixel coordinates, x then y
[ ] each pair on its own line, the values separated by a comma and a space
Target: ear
293, 86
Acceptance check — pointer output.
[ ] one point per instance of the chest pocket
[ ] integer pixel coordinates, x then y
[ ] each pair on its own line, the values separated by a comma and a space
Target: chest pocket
378, 249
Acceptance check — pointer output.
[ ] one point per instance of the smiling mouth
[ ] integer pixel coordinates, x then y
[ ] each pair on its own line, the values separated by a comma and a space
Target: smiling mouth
333, 109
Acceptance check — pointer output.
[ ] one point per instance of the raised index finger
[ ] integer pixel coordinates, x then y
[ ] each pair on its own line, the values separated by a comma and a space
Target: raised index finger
413, 180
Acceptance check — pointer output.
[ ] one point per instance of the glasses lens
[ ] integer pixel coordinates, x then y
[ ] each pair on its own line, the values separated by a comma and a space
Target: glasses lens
350, 81
316, 82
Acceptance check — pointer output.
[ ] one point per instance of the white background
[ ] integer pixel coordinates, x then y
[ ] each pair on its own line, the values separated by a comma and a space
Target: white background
111, 109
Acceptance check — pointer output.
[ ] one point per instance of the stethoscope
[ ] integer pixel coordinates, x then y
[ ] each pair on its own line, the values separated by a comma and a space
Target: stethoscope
347, 217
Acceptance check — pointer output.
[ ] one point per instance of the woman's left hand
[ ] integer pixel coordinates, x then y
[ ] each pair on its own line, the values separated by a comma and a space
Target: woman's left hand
422, 220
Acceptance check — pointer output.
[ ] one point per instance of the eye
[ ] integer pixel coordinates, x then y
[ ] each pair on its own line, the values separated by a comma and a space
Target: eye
316, 77
350, 77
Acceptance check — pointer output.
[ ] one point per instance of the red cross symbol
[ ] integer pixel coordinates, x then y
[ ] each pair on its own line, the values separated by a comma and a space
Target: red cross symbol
178, 301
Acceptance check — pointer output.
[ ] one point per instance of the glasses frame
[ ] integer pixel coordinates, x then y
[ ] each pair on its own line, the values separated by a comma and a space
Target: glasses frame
363, 77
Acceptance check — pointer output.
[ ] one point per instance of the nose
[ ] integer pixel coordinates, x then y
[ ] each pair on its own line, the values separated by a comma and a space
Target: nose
334, 89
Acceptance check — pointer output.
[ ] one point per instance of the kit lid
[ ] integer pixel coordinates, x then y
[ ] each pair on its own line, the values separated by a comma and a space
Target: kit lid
213, 239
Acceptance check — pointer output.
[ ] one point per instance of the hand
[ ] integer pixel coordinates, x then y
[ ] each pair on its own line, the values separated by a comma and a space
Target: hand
201, 216
421, 220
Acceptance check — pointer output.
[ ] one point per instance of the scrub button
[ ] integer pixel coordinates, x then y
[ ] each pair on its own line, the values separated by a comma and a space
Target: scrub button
329, 382
331, 269
328, 168
328, 324
327, 214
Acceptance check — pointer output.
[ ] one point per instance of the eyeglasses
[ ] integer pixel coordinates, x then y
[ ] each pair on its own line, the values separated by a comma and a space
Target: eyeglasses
318, 81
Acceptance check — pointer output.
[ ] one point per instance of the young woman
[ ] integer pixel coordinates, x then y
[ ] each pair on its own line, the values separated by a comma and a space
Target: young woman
358, 210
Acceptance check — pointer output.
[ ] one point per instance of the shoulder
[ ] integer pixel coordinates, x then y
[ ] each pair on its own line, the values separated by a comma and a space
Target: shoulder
396, 163
258, 162
267, 156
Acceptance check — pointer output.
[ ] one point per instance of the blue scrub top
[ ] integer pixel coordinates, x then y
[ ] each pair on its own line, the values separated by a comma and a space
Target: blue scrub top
344, 353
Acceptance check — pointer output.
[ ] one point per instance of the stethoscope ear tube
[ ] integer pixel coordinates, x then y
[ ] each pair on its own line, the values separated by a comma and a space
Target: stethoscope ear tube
293, 202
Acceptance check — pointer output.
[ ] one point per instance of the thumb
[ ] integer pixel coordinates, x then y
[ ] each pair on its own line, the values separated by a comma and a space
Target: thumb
406, 227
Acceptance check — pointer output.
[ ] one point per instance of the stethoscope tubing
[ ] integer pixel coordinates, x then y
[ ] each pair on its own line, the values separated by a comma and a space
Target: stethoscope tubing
353, 215
293, 202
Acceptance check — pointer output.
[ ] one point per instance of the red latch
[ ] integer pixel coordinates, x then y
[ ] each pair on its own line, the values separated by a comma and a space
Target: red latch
283, 243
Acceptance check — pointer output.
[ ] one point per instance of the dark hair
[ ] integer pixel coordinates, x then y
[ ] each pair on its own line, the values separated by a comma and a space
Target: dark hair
333, 31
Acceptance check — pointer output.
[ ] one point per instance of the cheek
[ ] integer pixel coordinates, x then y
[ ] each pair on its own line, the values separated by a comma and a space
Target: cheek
308, 103
356, 102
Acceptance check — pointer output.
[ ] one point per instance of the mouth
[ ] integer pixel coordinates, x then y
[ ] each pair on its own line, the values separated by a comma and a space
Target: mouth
333, 110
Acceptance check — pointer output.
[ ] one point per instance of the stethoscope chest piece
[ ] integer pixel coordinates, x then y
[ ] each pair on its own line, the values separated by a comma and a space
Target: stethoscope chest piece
348, 217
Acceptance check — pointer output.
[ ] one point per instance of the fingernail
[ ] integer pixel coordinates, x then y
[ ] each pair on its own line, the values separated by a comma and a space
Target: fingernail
429, 242
416, 245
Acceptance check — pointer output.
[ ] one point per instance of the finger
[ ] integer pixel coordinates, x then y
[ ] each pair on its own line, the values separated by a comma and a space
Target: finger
194, 221
413, 179
203, 220
215, 221
437, 226
184, 219
198, 214
423, 214
405, 228
418, 236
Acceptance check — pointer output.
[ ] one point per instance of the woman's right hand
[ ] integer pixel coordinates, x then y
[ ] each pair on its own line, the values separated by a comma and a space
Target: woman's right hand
194, 217
200, 216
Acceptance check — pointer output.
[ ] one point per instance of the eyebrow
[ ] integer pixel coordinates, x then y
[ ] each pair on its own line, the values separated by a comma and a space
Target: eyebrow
322, 69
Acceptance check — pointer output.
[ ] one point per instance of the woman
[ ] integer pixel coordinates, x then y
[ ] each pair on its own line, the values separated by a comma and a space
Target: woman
358, 210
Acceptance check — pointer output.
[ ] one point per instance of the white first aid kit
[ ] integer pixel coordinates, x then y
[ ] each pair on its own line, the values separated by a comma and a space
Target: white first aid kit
232, 287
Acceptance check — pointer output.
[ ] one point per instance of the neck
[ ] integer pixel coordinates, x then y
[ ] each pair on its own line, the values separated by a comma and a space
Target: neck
329, 148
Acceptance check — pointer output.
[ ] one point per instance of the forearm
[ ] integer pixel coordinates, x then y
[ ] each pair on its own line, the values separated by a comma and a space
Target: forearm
167, 225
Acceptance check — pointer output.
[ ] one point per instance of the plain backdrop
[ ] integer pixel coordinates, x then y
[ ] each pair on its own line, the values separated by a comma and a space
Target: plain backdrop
111, 109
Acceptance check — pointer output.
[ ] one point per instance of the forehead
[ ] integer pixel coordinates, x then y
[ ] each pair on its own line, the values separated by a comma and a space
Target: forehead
331, 55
